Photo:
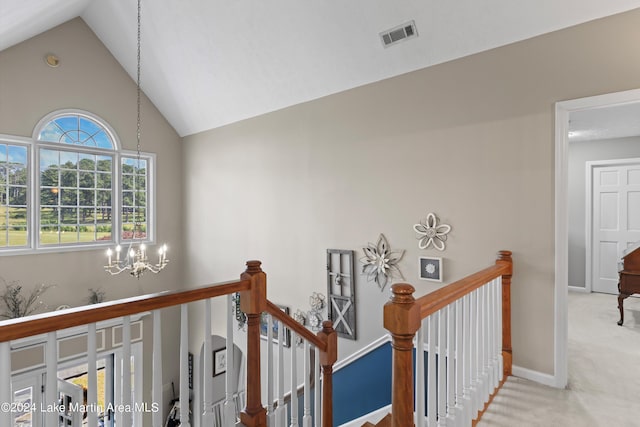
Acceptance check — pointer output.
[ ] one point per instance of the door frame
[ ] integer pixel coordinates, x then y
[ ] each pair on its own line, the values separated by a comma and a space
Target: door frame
590, 166
563, 110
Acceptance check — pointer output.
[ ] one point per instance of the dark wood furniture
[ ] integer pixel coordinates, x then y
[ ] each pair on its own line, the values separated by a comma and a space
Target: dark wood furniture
629, 277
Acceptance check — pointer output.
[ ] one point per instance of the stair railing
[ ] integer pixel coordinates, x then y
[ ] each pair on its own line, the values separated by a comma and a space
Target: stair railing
253, 304
252, 288
463, 351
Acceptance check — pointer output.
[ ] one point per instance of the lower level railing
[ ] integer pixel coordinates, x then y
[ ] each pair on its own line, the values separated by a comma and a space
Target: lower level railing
46, 336
462, 339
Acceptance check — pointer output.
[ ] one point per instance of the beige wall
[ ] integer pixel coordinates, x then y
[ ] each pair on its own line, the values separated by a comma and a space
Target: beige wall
89, 78
471, 140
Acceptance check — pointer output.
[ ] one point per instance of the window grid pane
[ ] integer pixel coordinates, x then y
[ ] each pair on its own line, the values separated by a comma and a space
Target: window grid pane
74, 188
13, 196
76, 129
72, 210
134, 198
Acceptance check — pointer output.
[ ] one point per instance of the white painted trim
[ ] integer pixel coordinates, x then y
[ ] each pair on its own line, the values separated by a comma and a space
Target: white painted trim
71, 332
579, 289
588, 232
536, 376
362, 352
589, 169
562, 112
373, 417
561, 323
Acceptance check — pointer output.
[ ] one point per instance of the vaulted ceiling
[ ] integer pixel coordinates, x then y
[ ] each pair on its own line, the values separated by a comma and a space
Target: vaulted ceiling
207, 63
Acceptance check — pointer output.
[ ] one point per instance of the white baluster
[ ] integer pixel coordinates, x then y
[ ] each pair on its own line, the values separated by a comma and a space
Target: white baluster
229, 406
451, 388
184, 366
442, 366
156, 381
459, 364
499, 329
475, 353
110, 389
306, 419
485, 346
207, 374
51, 387
473, 348
493, 357
420, 385
492, 341
92, 375
482, 380
432, 403
126, 416
6, 396
271, 416
294, 380
317, 400
479, 342
466, 359
281, 412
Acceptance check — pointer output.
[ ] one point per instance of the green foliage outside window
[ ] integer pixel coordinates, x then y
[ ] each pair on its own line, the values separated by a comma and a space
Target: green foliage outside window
75, 188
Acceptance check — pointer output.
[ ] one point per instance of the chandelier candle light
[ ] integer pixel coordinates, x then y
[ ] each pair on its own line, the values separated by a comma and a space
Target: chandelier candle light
136, 261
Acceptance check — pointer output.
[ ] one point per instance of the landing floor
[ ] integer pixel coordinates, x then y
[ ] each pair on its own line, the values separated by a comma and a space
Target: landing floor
604, 374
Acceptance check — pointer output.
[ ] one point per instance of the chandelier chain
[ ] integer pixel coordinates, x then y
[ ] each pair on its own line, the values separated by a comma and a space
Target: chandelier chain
138, 91
135, 259
136, 222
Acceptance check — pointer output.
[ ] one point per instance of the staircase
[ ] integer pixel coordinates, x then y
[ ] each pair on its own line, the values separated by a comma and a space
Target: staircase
460, 333
385, 422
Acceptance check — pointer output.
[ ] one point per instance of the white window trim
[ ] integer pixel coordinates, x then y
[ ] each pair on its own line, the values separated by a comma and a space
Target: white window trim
28, 143
33, 187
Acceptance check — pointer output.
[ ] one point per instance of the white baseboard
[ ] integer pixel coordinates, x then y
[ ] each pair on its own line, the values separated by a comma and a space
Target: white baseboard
363, 351
373, 417
539, 377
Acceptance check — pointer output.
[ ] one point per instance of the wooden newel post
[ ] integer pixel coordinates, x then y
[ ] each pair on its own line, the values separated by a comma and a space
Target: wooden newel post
253, 302
327, 360
504, 258
402, 319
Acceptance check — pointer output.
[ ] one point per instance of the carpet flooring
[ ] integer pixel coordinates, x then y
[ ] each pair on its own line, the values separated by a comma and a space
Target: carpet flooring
604, 373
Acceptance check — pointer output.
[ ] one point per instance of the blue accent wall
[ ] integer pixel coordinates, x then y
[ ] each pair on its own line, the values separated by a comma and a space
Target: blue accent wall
362, 386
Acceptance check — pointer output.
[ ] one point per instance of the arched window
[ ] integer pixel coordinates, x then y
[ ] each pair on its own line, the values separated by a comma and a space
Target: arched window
76, 129
84, 187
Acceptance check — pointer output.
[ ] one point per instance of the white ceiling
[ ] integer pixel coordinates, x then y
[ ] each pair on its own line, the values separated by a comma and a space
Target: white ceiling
207, 63
616, 121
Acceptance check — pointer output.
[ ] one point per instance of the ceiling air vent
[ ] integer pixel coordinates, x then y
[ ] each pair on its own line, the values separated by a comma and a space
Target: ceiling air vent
399, 33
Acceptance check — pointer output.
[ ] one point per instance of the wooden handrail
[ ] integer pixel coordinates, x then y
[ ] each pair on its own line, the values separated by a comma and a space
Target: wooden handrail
253, 302
403, 316
48, 322
327, 342
296, 327
444, 296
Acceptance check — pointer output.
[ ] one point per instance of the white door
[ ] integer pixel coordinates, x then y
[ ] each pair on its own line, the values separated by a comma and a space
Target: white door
70, 396
616, 219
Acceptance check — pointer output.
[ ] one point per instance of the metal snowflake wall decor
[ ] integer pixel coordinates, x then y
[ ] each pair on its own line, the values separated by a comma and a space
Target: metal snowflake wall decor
432, 233
380, 262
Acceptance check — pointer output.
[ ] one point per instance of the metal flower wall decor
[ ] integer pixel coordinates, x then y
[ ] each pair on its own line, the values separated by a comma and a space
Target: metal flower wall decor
432, 233
380, 262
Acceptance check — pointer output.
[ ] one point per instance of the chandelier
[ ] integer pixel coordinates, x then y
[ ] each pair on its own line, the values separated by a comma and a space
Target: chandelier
135, 261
